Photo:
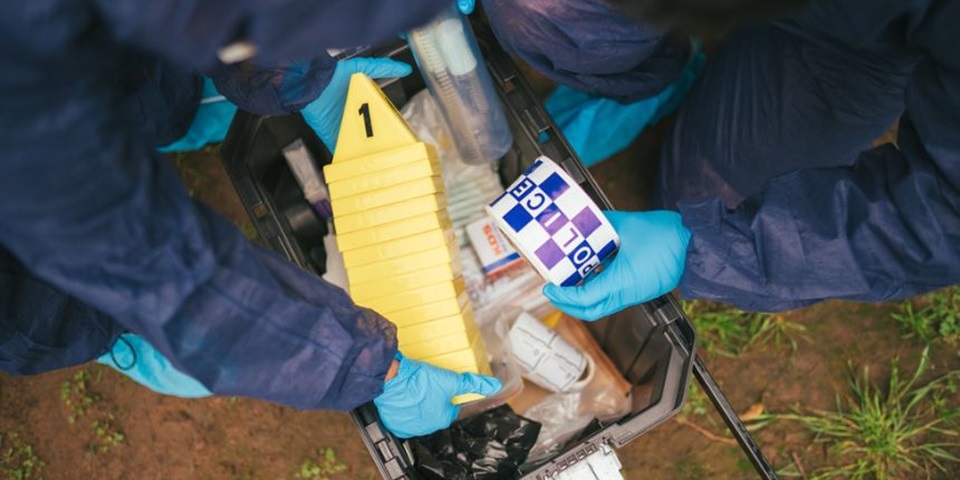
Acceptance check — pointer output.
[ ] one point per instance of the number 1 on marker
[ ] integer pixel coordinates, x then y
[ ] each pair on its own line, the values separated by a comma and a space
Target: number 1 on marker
365, 113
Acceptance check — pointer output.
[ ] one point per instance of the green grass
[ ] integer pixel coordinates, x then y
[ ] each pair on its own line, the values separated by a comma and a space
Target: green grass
323, 469
730, 332
930, 317
76, 396
81, 403
690, 470
903, 430
108, 434
18, 460
697, 404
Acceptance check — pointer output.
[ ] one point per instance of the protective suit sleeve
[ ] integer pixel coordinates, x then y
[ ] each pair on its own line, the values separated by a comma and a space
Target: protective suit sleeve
289, 66
886, 227
274, 90
590, 46
90, 209
190, 33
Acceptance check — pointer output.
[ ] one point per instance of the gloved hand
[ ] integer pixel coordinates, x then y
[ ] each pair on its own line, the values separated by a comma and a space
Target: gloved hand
132, 356
209, 125
653, 250
417, 401
466, 6
597, 127
324, 113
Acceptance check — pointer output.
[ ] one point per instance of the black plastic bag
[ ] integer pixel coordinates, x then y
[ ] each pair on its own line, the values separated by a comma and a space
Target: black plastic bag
487, 446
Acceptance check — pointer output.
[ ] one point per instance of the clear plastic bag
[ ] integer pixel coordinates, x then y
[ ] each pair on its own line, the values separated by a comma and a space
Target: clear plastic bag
469, 188
517, 288
563, 416
561, 419
500, 297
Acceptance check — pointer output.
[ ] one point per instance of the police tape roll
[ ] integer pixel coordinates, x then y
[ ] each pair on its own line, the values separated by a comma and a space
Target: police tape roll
554, 224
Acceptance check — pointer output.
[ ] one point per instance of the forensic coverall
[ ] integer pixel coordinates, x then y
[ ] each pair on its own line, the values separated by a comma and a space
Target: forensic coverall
770, 160
97, 234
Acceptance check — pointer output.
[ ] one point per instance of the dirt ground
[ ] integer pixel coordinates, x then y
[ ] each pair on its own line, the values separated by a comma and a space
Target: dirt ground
244, 439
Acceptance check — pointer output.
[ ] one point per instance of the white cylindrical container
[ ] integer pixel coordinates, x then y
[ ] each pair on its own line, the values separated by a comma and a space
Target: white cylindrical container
546, 359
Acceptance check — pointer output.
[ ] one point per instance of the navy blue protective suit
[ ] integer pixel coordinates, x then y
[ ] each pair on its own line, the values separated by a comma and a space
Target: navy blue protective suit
590, 46
770, 160
97, 234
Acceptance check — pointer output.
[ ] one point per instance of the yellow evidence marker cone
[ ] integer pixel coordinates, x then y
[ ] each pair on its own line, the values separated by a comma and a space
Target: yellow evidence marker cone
390, 215
371, 124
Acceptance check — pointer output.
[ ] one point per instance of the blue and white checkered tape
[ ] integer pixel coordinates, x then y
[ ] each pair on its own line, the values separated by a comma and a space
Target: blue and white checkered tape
554, 224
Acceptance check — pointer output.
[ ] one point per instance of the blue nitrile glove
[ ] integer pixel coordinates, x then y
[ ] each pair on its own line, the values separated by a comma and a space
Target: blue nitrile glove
466, 6
417, 401
597, 127
209, 125
324, 113
132, 356
653, 250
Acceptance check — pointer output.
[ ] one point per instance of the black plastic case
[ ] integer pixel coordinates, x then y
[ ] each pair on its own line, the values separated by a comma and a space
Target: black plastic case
652, 345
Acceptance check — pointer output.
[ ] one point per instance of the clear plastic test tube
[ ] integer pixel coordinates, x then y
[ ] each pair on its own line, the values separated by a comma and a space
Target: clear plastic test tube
449, 59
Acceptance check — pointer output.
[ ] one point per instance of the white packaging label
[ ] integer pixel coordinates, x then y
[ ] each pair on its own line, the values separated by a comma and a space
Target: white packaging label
545, 358
492, 248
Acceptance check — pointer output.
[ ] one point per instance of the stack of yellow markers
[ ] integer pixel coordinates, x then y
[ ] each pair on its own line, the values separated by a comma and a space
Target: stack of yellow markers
398, 245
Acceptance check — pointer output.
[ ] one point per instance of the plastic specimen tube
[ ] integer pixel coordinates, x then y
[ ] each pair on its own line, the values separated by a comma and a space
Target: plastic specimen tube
449, 59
